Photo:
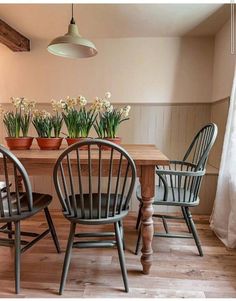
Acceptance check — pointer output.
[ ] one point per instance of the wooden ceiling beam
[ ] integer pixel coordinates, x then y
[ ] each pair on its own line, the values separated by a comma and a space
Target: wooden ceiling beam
12, 38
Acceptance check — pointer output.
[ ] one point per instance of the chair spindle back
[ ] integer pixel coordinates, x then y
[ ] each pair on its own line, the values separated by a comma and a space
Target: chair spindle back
201, 145
10, 196
113, 165
184, 178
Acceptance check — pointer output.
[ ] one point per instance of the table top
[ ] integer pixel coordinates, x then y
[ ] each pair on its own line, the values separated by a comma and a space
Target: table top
142, 154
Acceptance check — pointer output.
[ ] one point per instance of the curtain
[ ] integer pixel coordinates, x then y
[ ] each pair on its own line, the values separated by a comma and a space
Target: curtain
223, 219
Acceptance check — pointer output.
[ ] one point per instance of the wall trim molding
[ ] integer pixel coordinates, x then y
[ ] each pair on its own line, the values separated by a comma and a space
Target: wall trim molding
157, 104
138, 103
161, 103
222, 100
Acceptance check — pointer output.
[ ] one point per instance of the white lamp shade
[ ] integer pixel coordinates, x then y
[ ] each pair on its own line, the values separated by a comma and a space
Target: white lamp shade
72, 45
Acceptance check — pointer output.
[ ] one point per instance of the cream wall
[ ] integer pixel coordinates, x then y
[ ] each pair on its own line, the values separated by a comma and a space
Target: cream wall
224, 62
140, 70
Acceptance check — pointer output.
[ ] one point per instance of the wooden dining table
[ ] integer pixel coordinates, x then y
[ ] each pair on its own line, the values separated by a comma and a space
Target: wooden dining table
145, 156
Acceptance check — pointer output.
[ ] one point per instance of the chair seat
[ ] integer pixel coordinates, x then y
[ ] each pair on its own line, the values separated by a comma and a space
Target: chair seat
40, 201
86, 219
179, 195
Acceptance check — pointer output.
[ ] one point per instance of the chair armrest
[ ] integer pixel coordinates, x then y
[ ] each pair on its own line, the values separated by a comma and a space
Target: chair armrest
182, 163
178, 166
180, 173
176, 181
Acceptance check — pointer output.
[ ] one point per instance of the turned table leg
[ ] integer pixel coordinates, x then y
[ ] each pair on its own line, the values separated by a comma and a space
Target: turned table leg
148, 193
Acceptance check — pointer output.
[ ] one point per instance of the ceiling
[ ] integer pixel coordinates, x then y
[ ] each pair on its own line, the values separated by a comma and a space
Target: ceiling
45, 21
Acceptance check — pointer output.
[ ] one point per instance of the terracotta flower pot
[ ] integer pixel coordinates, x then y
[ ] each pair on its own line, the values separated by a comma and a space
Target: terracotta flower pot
21, 143
49, 143
71, 141
116, 140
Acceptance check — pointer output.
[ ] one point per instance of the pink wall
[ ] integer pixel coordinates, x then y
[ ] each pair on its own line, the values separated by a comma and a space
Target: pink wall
224, 63
140, 70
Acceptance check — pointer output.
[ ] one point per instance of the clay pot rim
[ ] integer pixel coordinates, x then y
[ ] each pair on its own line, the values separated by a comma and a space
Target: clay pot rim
11, 138
112, 139
79, 138
49, 138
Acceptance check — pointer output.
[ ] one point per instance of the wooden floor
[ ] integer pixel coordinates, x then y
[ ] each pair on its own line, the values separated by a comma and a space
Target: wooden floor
177, 269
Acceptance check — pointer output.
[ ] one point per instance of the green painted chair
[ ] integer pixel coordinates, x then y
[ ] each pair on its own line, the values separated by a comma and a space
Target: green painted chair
179, 185
16, 206
101, 204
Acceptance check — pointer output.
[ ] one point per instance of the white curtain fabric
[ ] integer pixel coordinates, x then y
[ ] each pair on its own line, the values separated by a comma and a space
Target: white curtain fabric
223, 219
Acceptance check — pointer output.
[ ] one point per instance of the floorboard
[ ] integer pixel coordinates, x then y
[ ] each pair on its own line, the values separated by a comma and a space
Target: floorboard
177, 269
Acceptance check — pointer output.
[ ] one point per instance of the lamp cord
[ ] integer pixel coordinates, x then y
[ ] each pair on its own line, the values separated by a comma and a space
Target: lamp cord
72, 21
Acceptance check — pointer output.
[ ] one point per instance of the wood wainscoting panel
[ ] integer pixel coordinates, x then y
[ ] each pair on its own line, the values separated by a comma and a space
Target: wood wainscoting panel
170, 127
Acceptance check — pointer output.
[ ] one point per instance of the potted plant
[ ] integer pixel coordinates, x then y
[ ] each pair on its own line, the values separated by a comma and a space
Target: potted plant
78, 119
48, 128
17, 123
109, 119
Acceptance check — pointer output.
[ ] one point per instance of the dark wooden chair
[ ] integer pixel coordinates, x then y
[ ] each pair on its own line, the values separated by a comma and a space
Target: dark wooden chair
16, 205
180, 183
97, 206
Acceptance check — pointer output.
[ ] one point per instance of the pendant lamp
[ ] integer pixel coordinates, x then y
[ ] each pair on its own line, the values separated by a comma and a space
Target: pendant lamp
72, 45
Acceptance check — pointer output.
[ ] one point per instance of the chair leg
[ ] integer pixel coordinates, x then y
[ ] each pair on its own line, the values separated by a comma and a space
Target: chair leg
52, 229
138, 241
9, 227
67, 257
186, 219
139, 216
17, 257
165, 224
194, 231
121, 257
122, 233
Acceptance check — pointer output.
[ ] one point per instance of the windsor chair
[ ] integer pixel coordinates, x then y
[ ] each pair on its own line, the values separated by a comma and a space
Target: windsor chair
106, 201
179, 185
16, 205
